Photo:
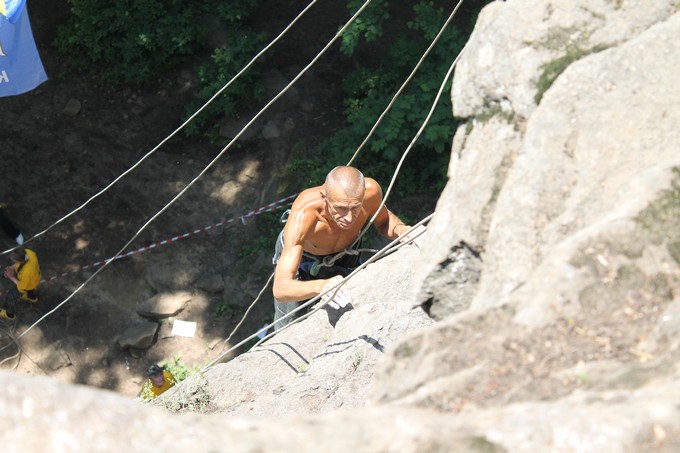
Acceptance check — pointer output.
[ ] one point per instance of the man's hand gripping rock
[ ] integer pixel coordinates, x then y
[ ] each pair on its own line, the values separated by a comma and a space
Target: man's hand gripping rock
335, 298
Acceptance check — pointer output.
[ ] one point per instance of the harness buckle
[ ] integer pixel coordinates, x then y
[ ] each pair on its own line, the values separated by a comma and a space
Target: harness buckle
314, 269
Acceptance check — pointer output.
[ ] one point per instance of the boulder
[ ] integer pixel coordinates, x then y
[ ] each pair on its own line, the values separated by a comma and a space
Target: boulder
72, 107
164, 305
139, 336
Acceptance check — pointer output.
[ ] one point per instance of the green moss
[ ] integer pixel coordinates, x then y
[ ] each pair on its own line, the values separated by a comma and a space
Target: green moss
631, 276
482, 445
674, 250
493, 111
571, 40
661, 219
468, 128
554, 68
559, 38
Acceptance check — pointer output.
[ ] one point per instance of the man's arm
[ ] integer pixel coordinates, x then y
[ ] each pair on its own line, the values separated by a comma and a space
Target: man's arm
389, 225
386, 222
286, 287
11, 274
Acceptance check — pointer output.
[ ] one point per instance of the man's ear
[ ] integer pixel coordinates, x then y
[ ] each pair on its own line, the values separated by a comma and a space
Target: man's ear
323, 194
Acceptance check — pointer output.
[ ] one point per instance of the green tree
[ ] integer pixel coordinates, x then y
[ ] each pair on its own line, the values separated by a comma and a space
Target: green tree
224, 64
369, 89
130, 41
134, 42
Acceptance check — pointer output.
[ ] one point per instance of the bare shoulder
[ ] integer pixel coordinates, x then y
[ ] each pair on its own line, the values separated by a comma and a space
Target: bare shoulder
304, 214
308, 202
373, 194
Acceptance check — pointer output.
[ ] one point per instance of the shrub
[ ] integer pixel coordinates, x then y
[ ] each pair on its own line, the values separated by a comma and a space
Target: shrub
129, 42
213, 75
369, 90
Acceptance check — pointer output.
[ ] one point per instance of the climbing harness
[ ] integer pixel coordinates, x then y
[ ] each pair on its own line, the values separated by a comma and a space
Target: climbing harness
315, 264
284, 216
312, 265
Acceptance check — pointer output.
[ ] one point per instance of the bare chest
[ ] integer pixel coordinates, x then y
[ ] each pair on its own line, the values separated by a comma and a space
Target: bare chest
325, 240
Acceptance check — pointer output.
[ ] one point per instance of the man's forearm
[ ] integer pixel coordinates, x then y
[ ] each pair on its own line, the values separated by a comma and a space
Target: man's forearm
393, 228
287, 290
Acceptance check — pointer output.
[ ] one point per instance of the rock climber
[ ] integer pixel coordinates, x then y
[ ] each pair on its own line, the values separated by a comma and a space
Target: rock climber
324, 223
25, 274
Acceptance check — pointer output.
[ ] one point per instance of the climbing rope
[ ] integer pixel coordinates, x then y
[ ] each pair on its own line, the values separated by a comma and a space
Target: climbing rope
329, 261
165, 140
261, 210
365, 229
205, 169
406, 82
392, 246
336, 288
413, 141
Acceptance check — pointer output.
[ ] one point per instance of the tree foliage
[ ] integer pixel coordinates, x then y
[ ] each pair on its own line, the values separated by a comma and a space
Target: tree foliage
369, 89
224, 64
129, 41
136, 41
368, 25
132, 42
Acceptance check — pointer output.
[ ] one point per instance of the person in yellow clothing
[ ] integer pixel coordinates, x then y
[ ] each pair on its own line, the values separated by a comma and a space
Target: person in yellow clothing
160, 380
25, 274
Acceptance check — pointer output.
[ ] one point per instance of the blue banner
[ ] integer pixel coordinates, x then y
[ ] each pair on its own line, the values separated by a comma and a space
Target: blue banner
20, 67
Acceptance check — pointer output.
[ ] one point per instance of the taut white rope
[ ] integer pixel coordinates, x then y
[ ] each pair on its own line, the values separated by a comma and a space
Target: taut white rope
191, 118
193, 181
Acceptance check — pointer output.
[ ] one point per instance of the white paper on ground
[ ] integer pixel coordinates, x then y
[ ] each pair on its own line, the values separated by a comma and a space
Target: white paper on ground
184, 328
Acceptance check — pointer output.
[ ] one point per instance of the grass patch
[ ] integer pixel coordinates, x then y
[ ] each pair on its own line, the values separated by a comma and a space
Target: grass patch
223, 309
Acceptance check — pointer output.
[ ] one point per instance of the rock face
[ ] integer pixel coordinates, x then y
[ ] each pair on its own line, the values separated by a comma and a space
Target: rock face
324, 363
551, 271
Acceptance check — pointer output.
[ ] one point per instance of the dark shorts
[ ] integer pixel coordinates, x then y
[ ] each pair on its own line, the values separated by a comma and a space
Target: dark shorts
12, 298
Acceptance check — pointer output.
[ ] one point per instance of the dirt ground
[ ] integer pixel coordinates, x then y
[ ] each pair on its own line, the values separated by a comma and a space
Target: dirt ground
53, 162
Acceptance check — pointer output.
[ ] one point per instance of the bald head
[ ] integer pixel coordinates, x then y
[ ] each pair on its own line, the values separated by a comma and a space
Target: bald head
343, 193
345, 180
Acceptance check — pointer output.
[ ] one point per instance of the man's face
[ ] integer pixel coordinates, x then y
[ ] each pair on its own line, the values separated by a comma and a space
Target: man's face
344, 209
157, 380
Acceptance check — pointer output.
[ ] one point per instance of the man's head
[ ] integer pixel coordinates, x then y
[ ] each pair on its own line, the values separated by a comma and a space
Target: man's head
343, 193
155, 373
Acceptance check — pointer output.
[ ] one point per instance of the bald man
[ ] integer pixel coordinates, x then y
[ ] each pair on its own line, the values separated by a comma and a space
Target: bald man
324, 221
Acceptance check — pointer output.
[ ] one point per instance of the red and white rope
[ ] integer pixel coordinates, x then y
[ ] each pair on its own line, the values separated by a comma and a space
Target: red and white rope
267, 208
